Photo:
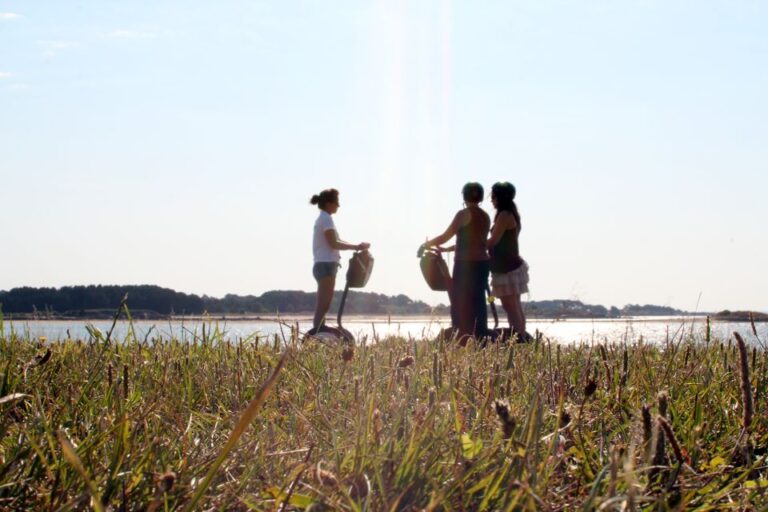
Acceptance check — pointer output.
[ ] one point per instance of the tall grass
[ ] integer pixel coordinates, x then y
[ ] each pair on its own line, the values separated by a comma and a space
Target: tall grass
396, 425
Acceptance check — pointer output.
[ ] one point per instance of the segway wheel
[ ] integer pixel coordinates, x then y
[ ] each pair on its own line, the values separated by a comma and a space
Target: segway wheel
330, 334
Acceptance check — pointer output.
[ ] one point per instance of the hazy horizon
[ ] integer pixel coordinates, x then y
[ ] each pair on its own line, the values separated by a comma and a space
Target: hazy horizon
340, 288
178, 144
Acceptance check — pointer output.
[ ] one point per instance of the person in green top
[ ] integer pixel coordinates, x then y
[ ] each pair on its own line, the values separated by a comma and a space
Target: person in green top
470, 225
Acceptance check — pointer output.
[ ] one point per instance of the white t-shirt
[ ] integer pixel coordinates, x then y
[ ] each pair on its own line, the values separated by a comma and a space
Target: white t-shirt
323, 252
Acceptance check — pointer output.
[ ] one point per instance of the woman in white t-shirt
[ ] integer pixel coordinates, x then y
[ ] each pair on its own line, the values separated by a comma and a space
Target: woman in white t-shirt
326, 245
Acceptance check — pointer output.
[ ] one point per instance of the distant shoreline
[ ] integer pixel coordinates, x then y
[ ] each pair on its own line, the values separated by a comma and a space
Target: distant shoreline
154, 303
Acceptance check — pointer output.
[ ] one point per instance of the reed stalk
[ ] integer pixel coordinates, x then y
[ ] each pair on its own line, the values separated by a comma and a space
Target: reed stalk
746, 387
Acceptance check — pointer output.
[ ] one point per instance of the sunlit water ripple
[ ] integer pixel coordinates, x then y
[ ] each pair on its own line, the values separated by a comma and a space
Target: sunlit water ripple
651, 329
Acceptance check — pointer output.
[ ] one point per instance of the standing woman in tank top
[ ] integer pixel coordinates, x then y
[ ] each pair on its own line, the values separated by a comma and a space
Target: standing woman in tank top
326, 245
470, 226
509, 272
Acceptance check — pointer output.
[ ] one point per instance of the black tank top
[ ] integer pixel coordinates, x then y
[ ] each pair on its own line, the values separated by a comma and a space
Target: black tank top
471, 238
505, 255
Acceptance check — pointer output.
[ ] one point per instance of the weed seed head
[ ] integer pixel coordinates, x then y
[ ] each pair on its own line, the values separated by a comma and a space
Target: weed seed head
505, 417
42, 359
406, 362
663, 404
358, 487
502, 409
590, 388
647, 424
166, 481
670, 434
326, 478
376, 419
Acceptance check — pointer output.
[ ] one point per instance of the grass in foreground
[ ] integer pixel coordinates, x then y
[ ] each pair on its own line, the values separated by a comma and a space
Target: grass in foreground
396, 425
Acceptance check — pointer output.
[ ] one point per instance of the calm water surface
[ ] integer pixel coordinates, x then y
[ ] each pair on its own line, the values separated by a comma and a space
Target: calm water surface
651, 329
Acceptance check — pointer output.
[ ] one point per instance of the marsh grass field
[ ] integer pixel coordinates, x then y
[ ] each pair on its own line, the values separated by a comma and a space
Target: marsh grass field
399, 424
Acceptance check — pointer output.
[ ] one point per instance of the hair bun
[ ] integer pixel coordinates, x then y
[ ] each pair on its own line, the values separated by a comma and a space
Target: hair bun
315, 199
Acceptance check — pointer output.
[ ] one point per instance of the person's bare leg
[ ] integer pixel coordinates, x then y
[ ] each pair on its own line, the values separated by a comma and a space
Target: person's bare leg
519, 316
325, 288
515, 316
506, 303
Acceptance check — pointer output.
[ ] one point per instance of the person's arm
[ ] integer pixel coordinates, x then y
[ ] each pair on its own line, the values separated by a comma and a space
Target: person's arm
340, 245
449, 233
503, 222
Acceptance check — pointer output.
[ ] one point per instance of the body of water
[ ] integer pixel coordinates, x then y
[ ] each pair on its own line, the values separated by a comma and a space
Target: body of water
651, 329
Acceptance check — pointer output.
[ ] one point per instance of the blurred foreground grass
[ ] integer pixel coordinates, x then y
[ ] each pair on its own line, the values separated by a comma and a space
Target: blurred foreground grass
395, 425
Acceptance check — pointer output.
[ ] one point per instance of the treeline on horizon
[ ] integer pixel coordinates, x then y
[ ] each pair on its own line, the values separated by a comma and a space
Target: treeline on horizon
150, 301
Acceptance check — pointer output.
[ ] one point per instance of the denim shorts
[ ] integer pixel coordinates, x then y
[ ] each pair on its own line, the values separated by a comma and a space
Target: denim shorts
323, 269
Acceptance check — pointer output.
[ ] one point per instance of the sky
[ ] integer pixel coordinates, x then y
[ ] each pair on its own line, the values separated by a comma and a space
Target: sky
178, 143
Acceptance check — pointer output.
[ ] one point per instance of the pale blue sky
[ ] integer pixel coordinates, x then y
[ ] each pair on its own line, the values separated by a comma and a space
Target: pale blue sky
178, 143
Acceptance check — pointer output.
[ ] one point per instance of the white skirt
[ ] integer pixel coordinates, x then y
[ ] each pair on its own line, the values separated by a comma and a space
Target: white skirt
511, 283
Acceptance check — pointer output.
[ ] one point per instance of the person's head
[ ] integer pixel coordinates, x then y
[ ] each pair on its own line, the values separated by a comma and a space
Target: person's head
472, 192
503, 195
503, 198
327, 200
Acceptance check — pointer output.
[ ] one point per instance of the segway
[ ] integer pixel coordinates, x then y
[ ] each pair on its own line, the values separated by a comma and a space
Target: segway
358, 273
438, 278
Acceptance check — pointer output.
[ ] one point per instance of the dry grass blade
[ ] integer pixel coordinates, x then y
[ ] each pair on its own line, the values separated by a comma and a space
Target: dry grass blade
245, 420
70, 453
12, 397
